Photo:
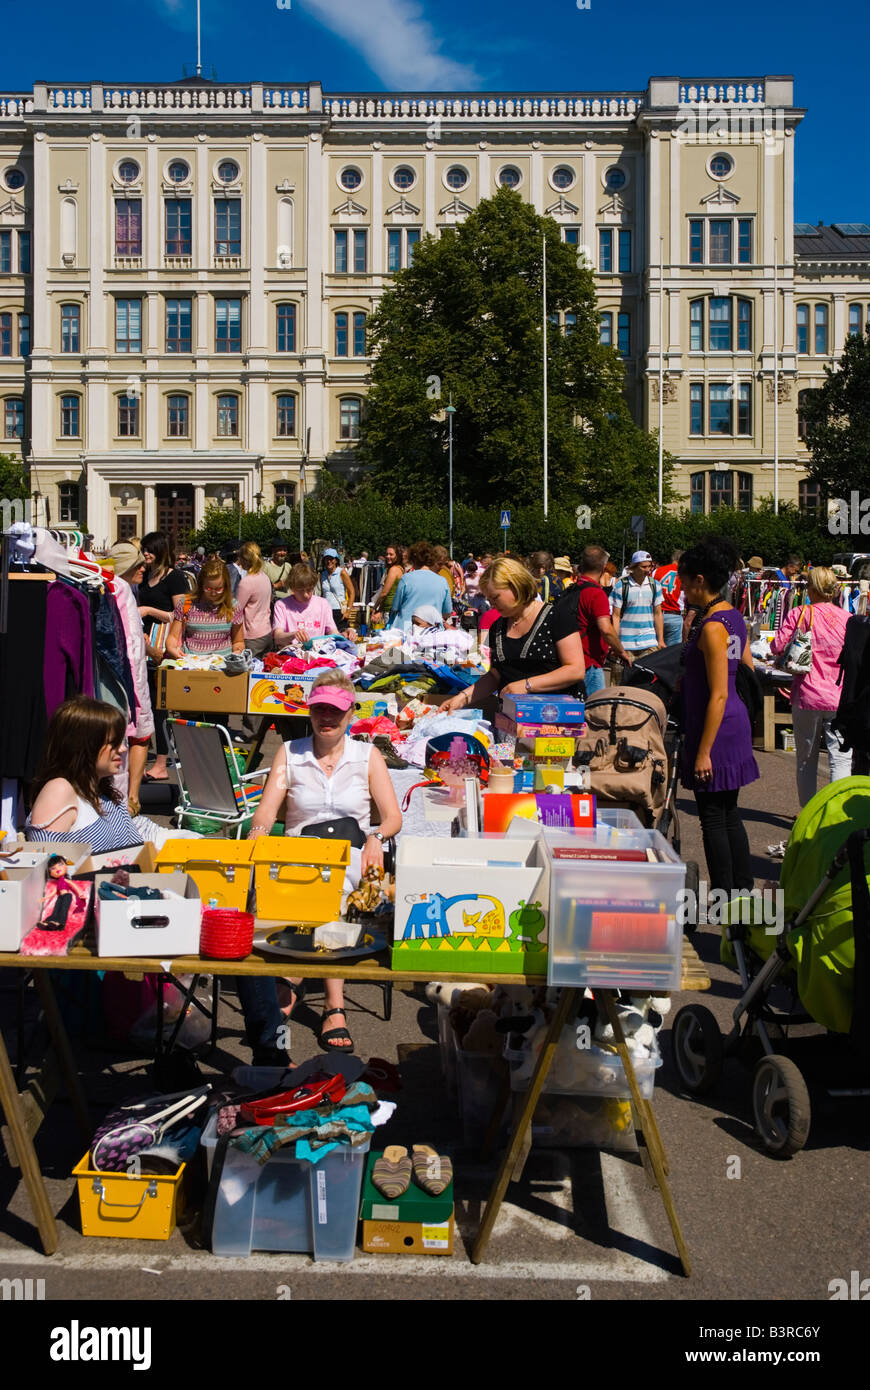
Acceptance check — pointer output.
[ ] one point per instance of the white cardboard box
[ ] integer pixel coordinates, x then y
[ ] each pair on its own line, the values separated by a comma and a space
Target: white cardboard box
21, 896
142, 928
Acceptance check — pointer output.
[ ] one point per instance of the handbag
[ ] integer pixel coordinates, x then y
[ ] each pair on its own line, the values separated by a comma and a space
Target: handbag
798, 655
341, 828
127, 1131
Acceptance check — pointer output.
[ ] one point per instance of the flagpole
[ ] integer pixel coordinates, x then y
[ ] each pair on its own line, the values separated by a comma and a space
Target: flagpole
198, 44
544, 331
661, 368
776, 379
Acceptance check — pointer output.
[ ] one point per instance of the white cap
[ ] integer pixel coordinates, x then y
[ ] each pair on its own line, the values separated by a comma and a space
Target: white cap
639, 556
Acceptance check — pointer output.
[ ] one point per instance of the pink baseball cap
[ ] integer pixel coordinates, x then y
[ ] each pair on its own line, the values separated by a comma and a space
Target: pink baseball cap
334, 695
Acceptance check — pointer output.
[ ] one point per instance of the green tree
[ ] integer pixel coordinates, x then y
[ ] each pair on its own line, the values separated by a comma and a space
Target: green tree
465, 318
837, 419
13, 484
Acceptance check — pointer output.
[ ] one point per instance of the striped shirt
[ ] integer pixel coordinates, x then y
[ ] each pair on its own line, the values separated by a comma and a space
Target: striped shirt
112, 828
204, 632
636, 627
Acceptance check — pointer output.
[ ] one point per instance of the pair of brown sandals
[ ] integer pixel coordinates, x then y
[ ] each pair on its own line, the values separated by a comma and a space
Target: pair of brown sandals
392, 1172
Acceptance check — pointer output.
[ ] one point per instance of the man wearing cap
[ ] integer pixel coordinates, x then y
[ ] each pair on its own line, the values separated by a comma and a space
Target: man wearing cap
279, 567
637, 607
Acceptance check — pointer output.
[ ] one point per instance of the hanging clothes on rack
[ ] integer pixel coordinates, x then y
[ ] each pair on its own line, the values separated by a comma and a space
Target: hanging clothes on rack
68, 662
23, 719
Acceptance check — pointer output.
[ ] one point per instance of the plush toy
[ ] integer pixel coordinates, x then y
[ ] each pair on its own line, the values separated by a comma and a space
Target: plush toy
465, 993
481, 1036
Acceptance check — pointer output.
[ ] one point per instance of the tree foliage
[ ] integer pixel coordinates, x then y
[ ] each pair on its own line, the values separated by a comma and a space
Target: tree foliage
465, 320
13, 483
837, 419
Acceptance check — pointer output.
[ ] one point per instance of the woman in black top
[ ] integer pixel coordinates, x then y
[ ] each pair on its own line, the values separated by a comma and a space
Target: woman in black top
158, 595
535, 647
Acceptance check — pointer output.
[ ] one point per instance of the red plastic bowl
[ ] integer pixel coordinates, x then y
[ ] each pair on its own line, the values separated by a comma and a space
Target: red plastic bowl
226, 934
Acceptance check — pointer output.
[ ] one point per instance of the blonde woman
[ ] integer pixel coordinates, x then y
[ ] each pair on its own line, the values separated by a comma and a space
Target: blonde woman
316, 779
535, 647
210, 625
815, 696
254, 597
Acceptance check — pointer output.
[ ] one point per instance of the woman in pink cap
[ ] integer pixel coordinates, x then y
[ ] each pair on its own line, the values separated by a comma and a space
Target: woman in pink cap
317, 779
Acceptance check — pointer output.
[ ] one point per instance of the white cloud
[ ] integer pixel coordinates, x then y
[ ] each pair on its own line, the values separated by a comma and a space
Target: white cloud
396, 40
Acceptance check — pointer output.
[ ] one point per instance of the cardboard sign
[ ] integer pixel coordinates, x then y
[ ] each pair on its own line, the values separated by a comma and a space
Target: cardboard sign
276, 694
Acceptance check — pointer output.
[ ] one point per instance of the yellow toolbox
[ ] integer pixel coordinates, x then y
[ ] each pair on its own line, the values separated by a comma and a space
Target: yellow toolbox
299, 879
135, 1208
221, 869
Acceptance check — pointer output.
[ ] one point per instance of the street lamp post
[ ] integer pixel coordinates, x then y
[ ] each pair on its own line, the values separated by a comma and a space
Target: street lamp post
450, 412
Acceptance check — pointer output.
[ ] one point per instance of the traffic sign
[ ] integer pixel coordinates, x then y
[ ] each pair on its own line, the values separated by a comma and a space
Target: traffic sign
505, 519
638, 525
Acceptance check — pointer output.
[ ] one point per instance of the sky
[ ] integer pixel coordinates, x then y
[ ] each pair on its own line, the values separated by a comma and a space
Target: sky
482, 45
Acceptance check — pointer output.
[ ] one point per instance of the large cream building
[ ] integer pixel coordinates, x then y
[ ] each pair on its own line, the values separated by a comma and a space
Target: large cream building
186, 270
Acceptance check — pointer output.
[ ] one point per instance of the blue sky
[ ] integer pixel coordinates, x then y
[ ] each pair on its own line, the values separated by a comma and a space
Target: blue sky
419, 45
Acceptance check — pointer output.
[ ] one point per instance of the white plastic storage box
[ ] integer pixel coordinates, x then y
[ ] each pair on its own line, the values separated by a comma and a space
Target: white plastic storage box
287, 1204
613, 910
589, 1071
150, 927
21, 894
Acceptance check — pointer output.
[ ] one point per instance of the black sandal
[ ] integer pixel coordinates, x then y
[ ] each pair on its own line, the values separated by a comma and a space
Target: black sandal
328, 1041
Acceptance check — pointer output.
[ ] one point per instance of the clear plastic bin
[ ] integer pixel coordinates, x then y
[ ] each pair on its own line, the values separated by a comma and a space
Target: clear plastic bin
447, 1050
580, 1122
480, 1076
613, 922
618, 818
590, 1071
287, 1204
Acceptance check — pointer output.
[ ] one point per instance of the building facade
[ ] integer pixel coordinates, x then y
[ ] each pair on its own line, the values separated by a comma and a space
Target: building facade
186, 271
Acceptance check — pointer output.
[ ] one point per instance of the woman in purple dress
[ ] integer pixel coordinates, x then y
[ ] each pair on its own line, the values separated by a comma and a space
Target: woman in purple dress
717, 745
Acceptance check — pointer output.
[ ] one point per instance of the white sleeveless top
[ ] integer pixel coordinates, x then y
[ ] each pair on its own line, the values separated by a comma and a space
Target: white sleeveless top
313, 797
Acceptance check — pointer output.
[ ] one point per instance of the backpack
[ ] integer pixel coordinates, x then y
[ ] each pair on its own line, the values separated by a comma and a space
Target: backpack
853, 712
625, 748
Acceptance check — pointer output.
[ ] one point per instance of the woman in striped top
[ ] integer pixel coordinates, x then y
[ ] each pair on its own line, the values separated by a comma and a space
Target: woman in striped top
210, 625
75, 795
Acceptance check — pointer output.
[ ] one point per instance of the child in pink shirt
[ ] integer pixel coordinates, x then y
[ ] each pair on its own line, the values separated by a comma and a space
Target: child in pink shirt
302, 614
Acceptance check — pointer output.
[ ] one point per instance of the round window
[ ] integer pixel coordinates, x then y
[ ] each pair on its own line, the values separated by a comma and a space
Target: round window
15, 178
228, 171
615, 178
721, 166
128, 171
404, 177
509, 177
350, 178
178, 171
563, 177
457, 177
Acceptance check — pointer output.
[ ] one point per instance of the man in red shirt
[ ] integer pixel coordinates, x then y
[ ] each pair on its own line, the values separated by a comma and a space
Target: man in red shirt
672, 613
597, 632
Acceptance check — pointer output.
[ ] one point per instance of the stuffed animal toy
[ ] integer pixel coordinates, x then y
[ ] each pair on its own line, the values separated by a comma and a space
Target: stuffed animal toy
481, 1036
452, 994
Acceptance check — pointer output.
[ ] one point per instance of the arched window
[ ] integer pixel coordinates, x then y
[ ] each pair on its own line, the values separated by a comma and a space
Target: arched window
13, 417
178, 416
821, 333
802, 327
128, 417
70, 416
286, 327
285, 427
605, 330
70, 326
350, 411
228, 417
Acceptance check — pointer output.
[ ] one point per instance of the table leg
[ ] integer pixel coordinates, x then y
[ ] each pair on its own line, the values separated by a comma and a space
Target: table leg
566, 1008
769, 723
65, 1057
26, 1154
649, 1128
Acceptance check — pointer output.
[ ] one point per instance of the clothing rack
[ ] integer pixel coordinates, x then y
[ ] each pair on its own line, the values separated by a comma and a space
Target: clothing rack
795, 592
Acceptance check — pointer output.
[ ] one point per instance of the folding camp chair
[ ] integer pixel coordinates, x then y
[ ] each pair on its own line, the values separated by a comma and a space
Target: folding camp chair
212, 788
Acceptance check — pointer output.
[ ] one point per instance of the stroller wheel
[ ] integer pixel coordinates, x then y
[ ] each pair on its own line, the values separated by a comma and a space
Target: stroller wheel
698, 1049
780, 1106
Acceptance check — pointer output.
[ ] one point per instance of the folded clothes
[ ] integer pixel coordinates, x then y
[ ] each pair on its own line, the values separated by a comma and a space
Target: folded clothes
315, 1132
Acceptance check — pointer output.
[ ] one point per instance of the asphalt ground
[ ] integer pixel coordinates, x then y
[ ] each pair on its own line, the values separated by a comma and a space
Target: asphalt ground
580, 1225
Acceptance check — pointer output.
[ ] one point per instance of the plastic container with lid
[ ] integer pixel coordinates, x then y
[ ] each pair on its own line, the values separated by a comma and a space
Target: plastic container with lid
221, 869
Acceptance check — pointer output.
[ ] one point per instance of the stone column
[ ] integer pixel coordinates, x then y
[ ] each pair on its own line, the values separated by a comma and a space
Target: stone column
149, 509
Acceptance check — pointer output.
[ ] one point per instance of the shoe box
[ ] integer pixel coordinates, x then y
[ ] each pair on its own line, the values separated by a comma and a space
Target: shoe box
413, 1224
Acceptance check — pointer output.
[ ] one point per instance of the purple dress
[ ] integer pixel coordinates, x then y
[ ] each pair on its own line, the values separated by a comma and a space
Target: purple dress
732, 757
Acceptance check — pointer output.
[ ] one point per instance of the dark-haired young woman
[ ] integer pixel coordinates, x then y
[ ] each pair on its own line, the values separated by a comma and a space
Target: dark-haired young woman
717, 747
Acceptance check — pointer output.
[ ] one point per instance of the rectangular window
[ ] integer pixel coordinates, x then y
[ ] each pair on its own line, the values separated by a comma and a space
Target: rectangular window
25, 265
228, 417
698, 492
228, 227
179, 317
359, 335
605, 330
341, 335
69, 417
696, 325
228, 325
571, 235
178, 224
696, 242
623, 334
696, 408
23, 335
810, 497
570, 322
350, 413
128, 325
286, 318
720, 243
285, 494
855, 319
821, 335
394, 250
286, 417
744, 409
625, 253
14, 418
720, 409
802, 322
744, 325
720, 325
721, 490
340, 252
68, 500
128, 227
360, 252
744, 492
605, 251
69, 327
6, 253
128, 417
412, 240
744, 244
178, 426
5, 335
